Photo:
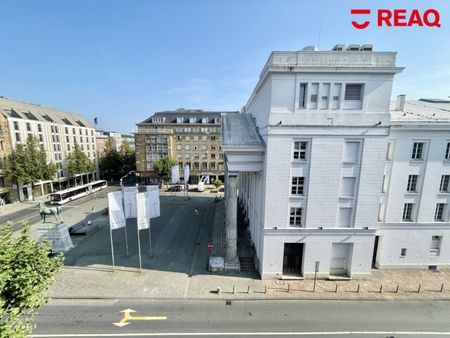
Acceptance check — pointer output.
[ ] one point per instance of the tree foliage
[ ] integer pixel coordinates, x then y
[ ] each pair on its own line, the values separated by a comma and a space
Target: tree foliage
28, 163
115, 163
163, 166
217, 183
26, 271
78, 162
128, 157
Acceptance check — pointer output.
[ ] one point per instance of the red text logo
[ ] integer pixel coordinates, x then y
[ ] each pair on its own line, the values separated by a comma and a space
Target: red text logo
397, 18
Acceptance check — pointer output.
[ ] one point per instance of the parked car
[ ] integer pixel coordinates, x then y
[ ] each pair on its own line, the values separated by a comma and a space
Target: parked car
175, 188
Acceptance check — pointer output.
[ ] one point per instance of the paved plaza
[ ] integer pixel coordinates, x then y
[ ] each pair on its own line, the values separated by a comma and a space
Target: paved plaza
178, 266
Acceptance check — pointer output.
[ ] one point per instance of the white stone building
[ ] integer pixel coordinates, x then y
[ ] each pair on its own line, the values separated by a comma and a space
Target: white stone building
312, 185
57, 132
413, 229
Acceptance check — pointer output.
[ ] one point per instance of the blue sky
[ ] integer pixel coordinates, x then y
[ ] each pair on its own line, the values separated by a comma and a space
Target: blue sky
121, 61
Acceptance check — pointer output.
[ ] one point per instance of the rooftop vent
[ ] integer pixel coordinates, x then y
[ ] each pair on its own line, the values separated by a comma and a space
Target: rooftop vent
366, 48
310, 49
352, 48
339, 48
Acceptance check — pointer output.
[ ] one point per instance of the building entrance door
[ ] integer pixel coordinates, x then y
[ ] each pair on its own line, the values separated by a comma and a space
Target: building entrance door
293, 259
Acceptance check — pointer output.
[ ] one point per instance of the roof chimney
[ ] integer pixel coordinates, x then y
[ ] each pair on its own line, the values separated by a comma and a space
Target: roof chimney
400, 103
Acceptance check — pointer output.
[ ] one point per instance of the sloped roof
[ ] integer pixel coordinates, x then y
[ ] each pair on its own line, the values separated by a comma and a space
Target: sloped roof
29, 111
171, 116
240, 131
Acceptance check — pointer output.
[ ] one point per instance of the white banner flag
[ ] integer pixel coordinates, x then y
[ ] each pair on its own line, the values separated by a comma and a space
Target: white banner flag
153, 202
129, 201
175, 174
186, 174
115, 210
143, 212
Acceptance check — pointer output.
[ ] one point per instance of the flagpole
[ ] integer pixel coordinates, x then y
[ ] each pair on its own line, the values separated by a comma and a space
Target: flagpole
139, 250
149, 240
112, 249
126, 236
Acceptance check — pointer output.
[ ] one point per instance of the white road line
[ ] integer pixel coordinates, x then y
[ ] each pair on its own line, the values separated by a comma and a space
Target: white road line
194, 334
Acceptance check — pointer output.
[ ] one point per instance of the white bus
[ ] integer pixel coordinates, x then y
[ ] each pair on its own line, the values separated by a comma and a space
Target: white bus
71, 194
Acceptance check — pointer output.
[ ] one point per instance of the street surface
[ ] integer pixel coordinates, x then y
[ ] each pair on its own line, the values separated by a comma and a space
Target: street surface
95, 318
31, 212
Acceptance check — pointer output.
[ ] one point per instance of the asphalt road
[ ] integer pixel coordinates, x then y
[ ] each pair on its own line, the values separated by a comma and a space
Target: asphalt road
95, 318
31, 213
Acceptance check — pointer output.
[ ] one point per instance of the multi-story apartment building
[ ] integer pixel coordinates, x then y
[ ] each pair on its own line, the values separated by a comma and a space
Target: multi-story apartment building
190, 137
7, 193
57, 132
331, 180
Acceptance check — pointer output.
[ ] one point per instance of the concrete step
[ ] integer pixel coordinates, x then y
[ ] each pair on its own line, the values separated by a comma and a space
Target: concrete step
247, 263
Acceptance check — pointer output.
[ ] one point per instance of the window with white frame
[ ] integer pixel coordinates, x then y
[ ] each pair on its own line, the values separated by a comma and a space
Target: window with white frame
439, 212
302, 96
351, 151
390, 151
445, 184
179, 156
345, 217
295, 217
300, 150
412, 183
348, 186
353, 92
297, 186
187, 147
407, 212
435, 247
418, 151
447, 151
179, 147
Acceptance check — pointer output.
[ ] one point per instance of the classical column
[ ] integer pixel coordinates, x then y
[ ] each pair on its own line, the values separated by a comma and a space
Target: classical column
231, 259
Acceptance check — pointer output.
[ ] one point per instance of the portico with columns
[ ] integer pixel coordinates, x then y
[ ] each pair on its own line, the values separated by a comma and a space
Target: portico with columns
244, 155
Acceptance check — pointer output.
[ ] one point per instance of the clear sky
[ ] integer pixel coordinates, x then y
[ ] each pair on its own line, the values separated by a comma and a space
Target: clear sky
121, 61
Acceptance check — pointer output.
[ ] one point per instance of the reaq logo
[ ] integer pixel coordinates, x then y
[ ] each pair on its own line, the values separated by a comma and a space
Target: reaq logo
397, 18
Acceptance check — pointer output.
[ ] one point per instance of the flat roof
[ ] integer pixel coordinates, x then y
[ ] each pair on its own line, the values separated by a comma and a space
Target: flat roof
422, 111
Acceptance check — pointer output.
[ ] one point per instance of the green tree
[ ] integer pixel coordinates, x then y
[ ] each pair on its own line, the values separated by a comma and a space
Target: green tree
110, 162
163, 166
26, 271
28, 164
217, 183
127, 157
78, 162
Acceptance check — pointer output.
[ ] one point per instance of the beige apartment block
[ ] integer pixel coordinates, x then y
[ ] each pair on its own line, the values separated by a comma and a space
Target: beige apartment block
57, 133
190, 137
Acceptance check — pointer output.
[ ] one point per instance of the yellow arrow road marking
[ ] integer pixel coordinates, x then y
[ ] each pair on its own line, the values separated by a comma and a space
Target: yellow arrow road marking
127, 317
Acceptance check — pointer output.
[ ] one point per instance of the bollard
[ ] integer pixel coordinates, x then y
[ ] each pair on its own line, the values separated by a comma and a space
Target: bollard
358, 288
234, 289
248, 289
218, 290
396, 290
418, 290
381, 288
336, 289
442, 287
